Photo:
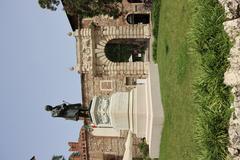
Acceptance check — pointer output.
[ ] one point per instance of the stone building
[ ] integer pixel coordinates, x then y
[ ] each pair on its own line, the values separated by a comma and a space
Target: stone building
99, 75
90, 147
79, 149
103, 77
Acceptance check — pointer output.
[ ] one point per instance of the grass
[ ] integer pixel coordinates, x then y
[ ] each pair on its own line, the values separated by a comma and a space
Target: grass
193, 52
209, 40
178, 70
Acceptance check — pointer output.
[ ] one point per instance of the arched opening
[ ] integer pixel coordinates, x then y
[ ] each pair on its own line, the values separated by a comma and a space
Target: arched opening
138, 18
126, 50
135, 1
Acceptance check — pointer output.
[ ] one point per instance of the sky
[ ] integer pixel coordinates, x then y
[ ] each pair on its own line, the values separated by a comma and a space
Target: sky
35, 54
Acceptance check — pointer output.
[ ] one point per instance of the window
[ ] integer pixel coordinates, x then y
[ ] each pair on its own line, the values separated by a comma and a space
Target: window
106, 85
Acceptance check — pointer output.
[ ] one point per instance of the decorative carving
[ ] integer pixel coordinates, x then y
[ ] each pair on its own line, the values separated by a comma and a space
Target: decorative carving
102, 111
86, 55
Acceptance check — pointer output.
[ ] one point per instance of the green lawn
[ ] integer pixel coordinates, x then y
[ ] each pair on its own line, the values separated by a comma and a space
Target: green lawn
178, 71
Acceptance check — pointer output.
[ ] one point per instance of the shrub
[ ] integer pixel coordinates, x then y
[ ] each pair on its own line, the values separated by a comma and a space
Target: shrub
155, 20
144, 149
208, 38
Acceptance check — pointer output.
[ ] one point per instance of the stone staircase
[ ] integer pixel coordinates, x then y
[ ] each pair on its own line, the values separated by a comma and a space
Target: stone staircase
146, 113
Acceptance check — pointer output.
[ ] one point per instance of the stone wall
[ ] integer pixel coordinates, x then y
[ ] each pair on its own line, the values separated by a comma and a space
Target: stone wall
95, 147
98, 146
94, 86
232, 75
87, 88
80, 146
101, 77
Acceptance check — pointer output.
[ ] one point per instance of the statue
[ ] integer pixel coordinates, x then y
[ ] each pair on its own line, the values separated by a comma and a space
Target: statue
69, 111
33, 158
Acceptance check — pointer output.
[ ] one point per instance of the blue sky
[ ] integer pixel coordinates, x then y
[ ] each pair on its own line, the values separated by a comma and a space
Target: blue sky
35, 54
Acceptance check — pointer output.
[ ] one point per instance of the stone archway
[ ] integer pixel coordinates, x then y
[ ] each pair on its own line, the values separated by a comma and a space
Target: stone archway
107, 67
126, 50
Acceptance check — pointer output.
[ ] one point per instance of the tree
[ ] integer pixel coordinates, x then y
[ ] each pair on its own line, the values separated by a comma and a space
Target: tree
85, 8
49, 4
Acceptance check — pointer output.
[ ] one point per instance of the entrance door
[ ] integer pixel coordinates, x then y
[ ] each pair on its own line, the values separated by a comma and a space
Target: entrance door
138, 18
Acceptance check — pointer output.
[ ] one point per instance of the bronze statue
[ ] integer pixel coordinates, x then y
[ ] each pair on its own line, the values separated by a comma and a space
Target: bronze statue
68, 111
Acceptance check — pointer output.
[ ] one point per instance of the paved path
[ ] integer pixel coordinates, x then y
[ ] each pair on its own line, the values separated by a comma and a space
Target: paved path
158, 112
157, 115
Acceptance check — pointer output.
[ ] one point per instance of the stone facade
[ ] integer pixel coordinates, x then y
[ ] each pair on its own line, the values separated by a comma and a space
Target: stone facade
80, 146
102, 77
99, 75
114, 146
98, 147
91, 56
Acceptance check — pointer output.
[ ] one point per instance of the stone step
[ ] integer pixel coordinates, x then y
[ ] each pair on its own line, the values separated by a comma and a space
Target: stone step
156, 112
142, 110
149, 111
139, 111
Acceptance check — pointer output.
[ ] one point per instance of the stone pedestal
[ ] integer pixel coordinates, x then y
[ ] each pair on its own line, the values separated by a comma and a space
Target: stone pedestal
139, 111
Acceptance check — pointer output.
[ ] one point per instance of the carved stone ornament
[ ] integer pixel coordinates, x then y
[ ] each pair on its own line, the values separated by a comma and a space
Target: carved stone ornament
86, 55
101, 112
